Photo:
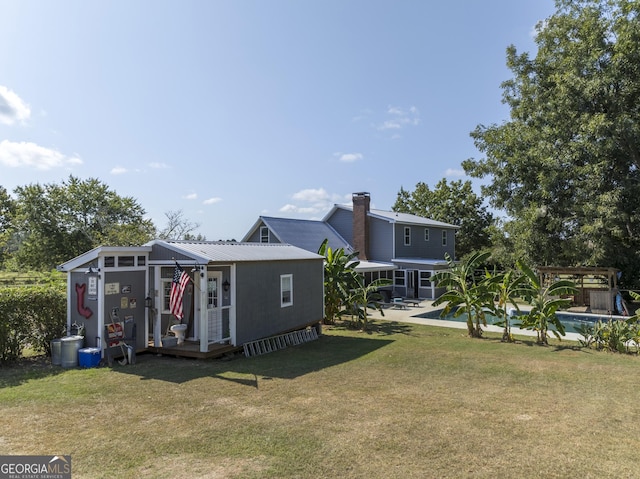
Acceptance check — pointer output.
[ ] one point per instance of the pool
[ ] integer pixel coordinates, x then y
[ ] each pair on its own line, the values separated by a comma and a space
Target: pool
570, 321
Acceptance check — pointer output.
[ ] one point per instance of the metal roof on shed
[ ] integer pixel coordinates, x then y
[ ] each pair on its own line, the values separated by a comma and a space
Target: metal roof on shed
214, 251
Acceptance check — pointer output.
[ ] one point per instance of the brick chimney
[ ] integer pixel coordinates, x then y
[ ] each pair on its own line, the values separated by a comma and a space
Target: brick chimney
361, 202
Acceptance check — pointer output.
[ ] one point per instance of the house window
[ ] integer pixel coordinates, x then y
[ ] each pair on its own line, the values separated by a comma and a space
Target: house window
444, 238
264, 234
424, 279
426, 234
398, 277
286, 290
407, 236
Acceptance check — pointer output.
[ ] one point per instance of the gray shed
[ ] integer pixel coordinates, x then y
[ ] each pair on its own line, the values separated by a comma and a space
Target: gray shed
236, 293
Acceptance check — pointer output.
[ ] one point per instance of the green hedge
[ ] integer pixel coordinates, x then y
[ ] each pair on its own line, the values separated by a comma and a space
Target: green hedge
30, 316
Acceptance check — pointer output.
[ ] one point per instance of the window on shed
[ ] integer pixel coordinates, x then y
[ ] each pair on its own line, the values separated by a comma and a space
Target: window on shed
398, 277
142, 260
264, 234
109, 261
125, 261
286, 290
166, 294
407, 236
444, 238
426, 234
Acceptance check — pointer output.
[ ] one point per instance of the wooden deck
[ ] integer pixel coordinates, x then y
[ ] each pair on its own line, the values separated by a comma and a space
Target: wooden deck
191, 349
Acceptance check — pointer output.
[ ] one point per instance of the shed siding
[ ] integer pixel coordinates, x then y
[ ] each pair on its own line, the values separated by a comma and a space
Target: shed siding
259, 313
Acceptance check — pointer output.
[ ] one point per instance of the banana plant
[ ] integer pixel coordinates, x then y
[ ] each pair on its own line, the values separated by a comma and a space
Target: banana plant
544, 302
340, 278
507, 287
465, 293
363, 297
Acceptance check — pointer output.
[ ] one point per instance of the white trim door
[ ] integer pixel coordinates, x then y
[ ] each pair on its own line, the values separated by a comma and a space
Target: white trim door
213, 310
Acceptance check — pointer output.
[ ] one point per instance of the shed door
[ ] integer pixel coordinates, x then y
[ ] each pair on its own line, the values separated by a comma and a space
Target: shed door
214, 315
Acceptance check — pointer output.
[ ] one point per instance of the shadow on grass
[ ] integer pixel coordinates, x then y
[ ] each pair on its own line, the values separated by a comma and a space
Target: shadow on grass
384, 327
290, 363
26, 369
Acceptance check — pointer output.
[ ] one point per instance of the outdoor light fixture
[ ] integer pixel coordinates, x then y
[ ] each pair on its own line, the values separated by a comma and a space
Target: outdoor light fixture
92, 270
225, 285
198, 268
148, 302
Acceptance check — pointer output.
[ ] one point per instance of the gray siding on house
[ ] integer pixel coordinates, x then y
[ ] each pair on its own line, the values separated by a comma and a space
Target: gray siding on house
419, 248
256, 238
380, 240
258, 304
342, 221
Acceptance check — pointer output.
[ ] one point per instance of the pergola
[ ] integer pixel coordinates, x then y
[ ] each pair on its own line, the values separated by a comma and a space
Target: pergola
596, 286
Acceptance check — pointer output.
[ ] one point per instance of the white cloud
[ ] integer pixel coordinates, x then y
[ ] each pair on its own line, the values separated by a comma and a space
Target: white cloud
12, 108
30, 155
314, 202
311, 195
349, 157
158, 166
454, 172
400, 118
191, 196
289, 208
212, 201
118, 170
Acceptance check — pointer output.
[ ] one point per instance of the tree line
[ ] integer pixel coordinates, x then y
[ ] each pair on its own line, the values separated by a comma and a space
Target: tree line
564, 170
42, 226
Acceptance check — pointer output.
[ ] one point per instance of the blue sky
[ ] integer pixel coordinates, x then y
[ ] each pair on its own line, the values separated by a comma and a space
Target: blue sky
233, 109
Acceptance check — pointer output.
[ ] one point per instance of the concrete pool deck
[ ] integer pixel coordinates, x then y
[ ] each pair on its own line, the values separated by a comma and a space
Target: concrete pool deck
410, 315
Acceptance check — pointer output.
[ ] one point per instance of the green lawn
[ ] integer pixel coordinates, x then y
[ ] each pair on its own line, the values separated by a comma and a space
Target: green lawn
403, 401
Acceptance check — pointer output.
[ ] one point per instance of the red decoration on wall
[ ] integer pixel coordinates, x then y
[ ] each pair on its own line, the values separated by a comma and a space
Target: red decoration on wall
82, 309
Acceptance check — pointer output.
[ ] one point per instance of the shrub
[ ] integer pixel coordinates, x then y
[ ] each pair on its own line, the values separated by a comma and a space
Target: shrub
30, 316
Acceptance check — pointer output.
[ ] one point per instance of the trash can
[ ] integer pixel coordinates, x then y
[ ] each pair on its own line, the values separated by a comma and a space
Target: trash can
69, 351
89, 357
56, 347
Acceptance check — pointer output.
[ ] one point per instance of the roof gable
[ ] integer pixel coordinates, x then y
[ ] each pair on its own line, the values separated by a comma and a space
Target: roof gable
305, 234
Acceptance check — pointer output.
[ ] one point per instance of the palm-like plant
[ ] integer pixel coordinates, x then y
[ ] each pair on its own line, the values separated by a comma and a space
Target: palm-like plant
363, 297
340, 278
466, 293
507, 287
544, 301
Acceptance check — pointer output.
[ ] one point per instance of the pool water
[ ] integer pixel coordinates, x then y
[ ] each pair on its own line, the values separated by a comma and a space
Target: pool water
570, 321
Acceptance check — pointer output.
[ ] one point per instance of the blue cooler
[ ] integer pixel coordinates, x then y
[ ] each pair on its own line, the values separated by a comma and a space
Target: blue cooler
89, 357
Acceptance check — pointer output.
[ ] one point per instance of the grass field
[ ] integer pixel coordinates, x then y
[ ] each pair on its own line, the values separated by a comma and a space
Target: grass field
403, 401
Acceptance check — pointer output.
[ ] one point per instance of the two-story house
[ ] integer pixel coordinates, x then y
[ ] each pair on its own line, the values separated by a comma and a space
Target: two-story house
406, 248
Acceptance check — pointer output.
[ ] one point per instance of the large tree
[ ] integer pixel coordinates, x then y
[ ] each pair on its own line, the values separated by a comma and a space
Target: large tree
454, 203
566, 166
7, 211
54, 223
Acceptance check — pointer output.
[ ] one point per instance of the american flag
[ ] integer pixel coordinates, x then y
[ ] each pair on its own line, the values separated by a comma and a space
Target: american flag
180, 280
